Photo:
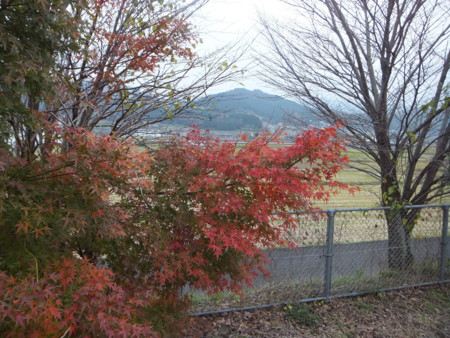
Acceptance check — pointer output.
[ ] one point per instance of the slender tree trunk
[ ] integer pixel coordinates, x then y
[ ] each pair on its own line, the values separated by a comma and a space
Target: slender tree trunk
400, 256
398, 221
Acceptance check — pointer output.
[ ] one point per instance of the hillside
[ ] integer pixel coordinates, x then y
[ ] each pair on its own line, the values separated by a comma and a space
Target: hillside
245, 109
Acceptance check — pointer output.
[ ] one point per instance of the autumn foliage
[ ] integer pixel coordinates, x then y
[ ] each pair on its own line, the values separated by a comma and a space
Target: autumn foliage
94, 232
56, 218
98, 237
73, 297
127, 63
211, 207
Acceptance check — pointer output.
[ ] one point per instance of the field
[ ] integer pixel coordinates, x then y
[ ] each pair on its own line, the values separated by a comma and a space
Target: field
369, 195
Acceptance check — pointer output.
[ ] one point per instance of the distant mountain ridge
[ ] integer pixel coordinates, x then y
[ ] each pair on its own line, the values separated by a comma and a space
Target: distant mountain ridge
245, 109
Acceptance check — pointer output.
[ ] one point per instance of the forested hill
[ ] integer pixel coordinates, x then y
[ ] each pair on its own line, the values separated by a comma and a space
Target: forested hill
246, 109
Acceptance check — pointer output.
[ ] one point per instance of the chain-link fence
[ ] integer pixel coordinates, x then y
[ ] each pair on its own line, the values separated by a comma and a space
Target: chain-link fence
347, 252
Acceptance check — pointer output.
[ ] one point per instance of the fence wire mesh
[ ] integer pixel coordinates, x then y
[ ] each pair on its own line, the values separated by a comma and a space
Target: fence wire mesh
364, 259
347, 251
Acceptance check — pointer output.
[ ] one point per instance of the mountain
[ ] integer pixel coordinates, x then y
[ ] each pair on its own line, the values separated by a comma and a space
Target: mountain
245, 109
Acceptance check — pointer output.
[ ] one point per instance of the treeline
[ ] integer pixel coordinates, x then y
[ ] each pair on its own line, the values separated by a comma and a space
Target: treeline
233, 122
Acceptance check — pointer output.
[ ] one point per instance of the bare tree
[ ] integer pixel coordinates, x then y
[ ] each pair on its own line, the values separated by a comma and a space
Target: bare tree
133, 64
381, 67
137, 66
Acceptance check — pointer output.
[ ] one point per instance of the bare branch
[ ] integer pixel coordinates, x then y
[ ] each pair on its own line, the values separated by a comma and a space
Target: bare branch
379, 66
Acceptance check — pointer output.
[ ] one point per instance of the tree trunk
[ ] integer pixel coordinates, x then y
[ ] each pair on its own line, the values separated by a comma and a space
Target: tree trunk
400, 256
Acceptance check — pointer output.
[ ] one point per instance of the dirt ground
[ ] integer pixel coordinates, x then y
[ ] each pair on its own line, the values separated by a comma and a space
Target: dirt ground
419, 312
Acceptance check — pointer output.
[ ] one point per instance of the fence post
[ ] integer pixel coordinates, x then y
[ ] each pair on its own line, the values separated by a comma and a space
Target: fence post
444, 243
329, 254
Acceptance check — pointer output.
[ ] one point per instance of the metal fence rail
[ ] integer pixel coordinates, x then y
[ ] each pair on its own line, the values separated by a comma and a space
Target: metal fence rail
344, 252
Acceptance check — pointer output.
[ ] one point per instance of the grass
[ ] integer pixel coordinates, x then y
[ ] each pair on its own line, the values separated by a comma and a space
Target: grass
268, 294
369, 194
358, 226
292, 291
302, 314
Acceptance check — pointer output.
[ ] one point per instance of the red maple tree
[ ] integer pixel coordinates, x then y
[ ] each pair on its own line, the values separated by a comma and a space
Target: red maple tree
98, 237
96, 232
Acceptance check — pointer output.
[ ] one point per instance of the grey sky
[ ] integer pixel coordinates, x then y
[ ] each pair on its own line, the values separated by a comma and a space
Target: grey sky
223, 22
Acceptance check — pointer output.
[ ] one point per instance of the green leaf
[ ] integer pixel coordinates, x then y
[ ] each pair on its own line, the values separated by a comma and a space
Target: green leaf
391, 190
412, 136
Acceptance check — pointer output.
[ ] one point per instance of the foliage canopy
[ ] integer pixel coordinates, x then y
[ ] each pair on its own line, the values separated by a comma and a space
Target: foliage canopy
98, 237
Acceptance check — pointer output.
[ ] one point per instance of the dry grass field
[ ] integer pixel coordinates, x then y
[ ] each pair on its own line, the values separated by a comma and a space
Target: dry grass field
369, 194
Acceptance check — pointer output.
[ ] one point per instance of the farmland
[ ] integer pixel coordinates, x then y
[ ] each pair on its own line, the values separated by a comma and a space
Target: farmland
369, 194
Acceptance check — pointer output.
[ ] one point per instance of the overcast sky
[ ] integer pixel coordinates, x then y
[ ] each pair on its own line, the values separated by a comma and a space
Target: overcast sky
223, 22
